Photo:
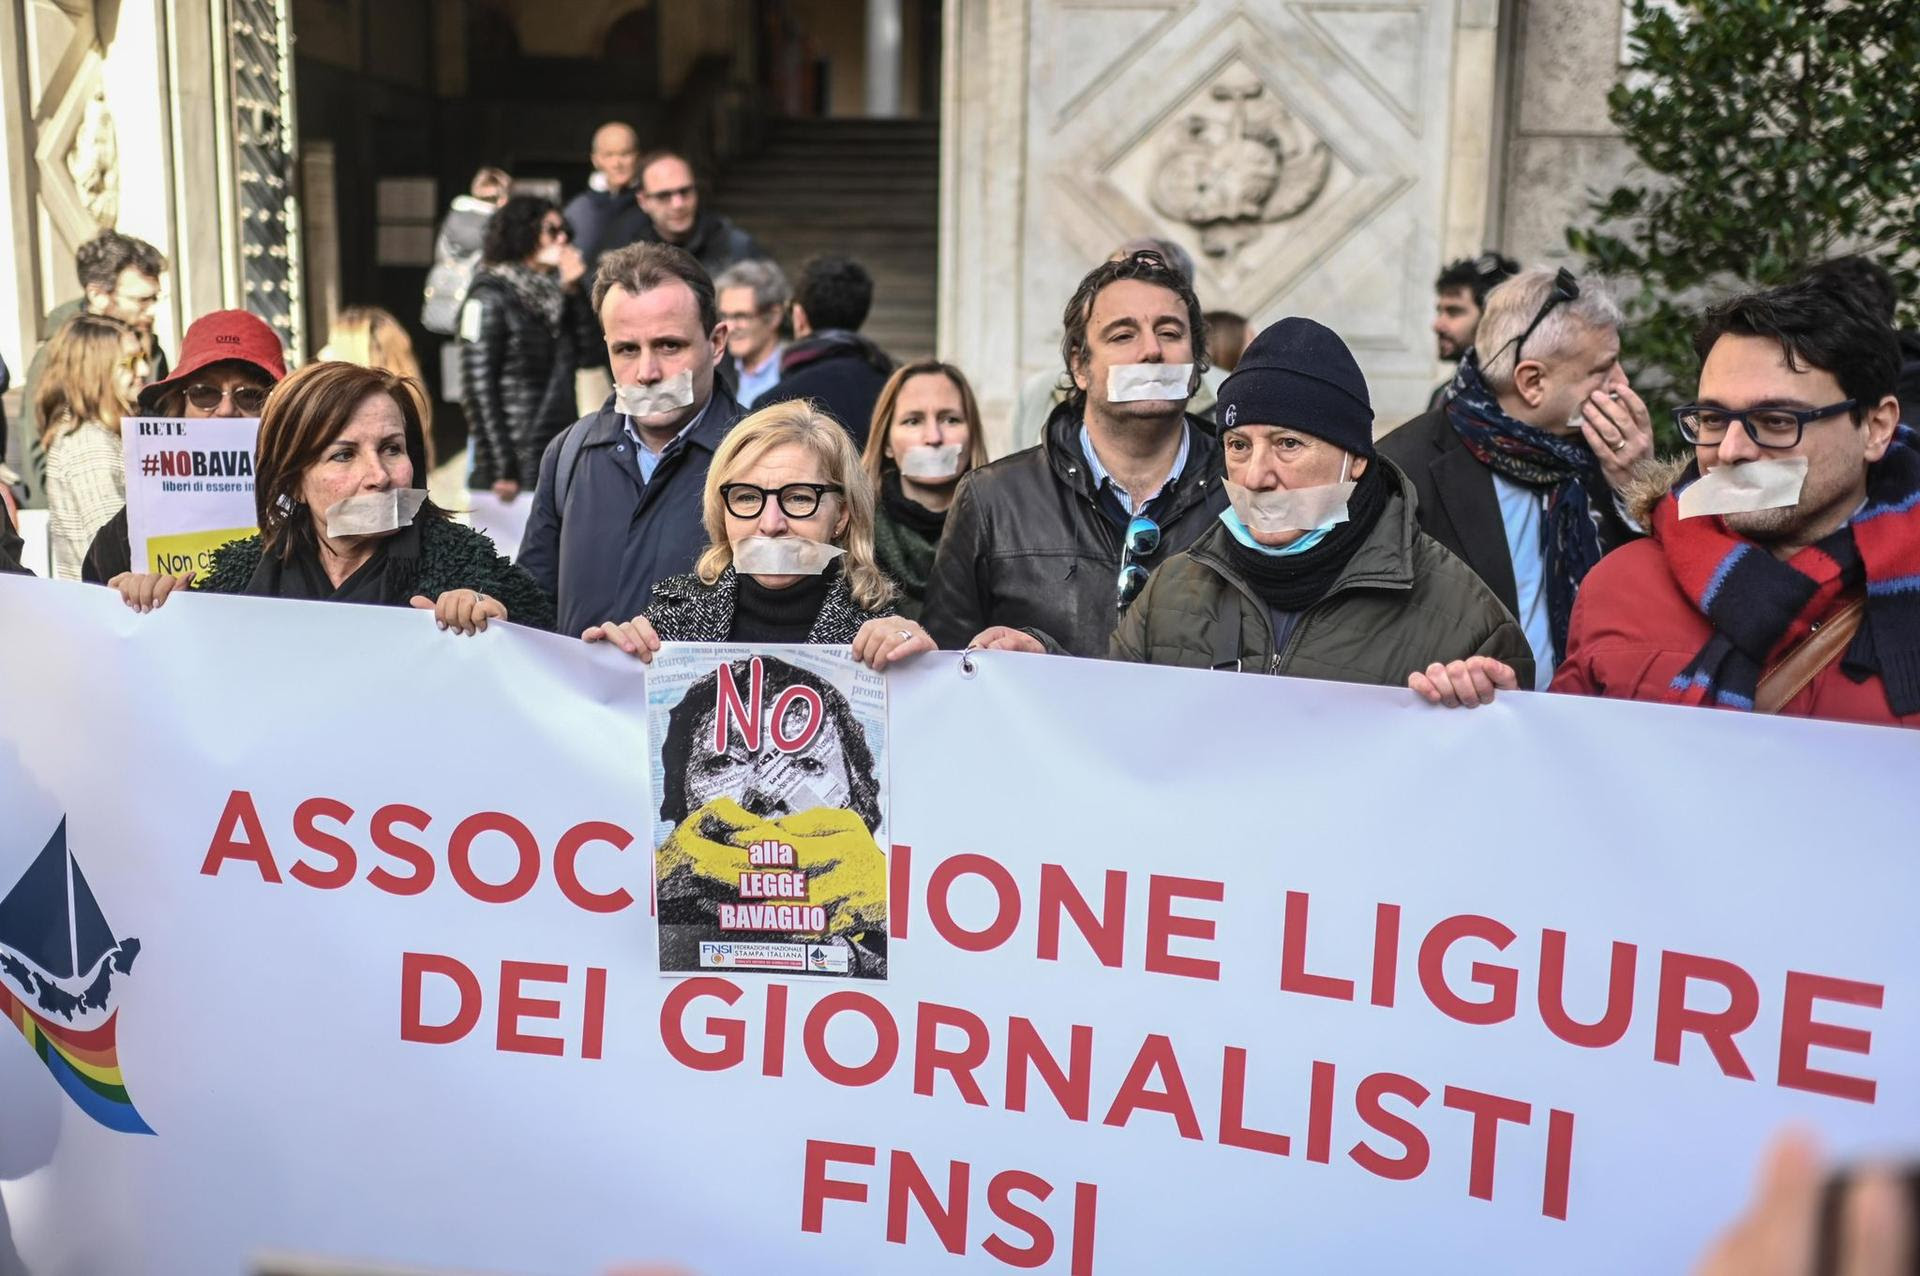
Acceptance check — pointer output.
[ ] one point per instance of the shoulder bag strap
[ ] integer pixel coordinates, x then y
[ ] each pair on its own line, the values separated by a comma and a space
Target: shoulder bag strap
1804, 663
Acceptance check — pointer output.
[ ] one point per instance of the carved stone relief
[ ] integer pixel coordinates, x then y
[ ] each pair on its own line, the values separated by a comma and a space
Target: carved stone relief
1236, 162
93, 162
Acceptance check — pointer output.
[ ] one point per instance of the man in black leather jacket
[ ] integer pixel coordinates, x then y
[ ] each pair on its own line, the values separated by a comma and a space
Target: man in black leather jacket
1037, 543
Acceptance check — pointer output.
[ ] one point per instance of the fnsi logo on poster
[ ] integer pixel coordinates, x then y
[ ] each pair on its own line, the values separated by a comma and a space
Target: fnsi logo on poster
58, 959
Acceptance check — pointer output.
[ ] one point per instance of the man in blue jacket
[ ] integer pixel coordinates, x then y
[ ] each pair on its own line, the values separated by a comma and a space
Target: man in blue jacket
618, 506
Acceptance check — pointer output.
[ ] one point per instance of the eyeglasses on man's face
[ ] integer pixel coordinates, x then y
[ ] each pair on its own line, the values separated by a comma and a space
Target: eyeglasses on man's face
1770, 427
796, 500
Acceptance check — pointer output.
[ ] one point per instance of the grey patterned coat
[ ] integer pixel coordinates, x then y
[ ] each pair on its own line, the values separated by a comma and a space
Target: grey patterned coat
686, 610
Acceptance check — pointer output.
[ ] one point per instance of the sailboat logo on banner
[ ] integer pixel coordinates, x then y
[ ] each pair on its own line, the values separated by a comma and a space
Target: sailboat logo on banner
58, 960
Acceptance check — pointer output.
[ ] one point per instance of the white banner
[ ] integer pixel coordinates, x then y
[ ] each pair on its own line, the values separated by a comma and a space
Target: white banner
1187, 971
189, 489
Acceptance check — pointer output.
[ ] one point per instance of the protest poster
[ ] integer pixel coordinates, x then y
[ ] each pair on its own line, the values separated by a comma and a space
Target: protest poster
189, 489
770, 795
1343, 983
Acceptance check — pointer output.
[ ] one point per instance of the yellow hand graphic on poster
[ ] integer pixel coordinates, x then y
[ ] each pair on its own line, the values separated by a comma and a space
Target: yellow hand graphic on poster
845, 872
189, 551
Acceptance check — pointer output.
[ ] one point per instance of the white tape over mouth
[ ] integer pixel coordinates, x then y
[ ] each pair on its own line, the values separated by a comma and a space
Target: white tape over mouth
1740, 489
671, 395
1132, 382
375, 513
924, 462
1299, 509
783, 556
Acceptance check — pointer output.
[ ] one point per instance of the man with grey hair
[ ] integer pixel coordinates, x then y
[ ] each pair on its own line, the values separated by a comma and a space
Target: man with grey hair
1521, 470
754, 296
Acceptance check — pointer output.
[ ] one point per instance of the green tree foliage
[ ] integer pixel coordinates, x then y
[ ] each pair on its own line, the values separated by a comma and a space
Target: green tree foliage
1772, 134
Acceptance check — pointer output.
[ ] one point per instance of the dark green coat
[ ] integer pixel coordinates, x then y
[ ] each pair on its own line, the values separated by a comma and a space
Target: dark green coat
451, 557
1402, 603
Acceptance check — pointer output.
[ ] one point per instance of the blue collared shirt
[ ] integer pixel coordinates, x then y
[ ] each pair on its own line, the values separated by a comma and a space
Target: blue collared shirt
1521, 510
754, 383
646, 457
1102, 479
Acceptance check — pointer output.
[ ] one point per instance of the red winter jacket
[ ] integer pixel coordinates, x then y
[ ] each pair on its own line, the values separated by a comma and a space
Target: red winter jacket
1633, 631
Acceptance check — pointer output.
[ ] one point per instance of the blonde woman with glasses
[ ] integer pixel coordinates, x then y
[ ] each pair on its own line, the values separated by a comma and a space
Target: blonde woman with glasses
789, 518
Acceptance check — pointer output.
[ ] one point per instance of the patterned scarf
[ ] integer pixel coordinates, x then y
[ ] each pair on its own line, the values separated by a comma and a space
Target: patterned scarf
1760, 607
538, 290
1563, 468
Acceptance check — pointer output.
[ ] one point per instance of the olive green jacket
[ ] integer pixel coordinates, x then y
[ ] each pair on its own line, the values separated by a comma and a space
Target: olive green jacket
1403, 602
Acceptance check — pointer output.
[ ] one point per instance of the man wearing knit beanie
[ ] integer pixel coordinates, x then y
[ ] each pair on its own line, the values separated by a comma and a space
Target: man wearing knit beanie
1317, 568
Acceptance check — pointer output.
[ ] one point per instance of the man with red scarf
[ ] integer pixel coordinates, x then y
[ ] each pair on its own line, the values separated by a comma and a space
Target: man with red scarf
1782, 572
1702, 611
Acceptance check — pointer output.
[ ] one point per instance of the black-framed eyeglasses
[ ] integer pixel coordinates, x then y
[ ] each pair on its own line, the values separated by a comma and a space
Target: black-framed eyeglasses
1141, 539
249, 399
1565, 288
1776, 428
555, 230
796, 500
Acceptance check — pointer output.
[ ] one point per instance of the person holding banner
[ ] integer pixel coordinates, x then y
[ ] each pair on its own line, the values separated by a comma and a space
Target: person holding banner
925, 437
95, 366
229, 360
790, 559
341, 520
1781, 570
1044, 549
1318, 567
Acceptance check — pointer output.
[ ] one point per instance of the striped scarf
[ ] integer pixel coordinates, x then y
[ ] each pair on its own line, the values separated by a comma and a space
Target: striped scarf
1761, 607
1564, 469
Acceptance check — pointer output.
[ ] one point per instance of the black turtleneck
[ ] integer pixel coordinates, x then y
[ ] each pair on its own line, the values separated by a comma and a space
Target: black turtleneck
777, 615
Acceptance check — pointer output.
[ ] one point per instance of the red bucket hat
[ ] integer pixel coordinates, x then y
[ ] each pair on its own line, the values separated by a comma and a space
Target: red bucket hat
220, 337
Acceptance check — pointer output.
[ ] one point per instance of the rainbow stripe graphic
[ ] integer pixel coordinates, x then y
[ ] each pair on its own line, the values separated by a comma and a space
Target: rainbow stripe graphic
85, 1063
57, 950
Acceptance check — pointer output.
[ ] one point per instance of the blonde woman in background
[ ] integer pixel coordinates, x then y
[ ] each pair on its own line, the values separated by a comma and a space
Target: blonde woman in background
373, 338
95, 366
785, 481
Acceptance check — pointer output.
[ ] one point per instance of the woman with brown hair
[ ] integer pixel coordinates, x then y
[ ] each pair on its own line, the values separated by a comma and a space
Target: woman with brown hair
341, 519
95, 366
789, 518
925, 437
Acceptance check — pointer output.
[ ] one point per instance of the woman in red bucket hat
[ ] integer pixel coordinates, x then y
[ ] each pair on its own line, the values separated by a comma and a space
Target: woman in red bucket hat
229, 360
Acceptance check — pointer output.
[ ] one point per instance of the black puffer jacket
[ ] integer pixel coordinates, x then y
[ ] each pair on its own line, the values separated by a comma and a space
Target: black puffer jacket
518, 375
1027, 544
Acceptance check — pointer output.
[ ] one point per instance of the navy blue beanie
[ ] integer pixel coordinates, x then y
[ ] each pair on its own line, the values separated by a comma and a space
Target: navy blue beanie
1299, 374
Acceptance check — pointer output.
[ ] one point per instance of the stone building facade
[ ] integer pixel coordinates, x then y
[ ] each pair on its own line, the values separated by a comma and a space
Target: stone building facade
1316, 156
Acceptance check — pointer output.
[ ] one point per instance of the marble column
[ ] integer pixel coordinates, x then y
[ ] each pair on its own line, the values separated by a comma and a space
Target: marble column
885, 41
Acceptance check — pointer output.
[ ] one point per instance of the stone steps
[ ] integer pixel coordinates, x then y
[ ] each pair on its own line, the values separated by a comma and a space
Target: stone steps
869, 189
